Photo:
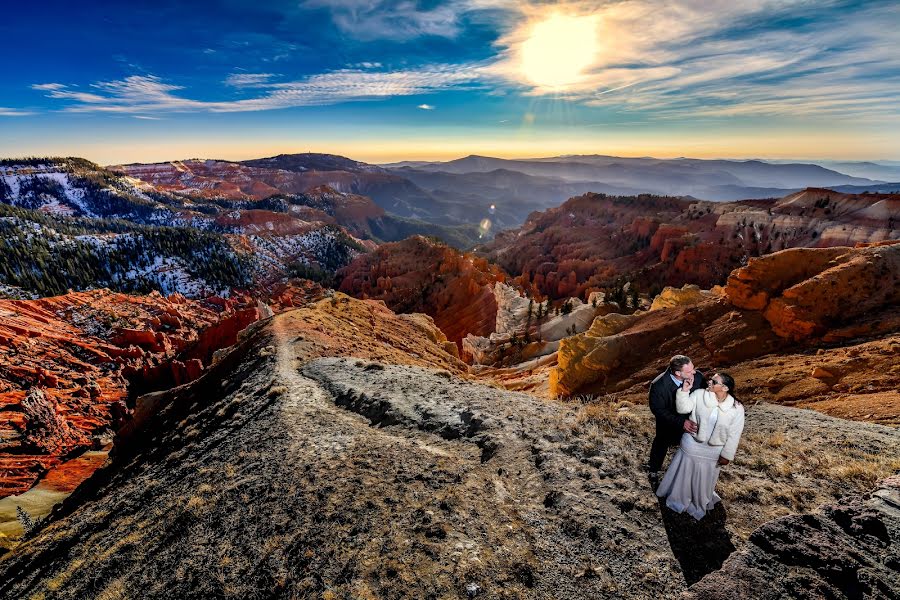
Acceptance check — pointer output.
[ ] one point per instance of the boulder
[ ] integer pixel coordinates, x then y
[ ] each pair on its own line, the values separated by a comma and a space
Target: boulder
845, 550
684, 296
855, 283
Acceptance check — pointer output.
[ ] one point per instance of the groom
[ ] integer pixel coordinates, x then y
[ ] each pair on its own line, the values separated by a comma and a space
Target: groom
669, 424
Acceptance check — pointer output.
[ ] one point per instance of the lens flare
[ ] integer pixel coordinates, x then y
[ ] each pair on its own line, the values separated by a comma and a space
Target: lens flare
484, 227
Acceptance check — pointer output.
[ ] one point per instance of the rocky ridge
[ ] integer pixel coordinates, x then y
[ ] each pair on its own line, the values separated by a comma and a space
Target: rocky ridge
307, 463
846, 550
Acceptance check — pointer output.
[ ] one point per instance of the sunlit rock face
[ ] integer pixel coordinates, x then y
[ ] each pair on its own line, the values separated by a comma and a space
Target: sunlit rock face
521, 319
803, 296
512, 308
684, 296
419, 275
806, 295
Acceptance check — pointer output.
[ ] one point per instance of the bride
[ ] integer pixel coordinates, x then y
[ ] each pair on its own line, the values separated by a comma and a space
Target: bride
690, 481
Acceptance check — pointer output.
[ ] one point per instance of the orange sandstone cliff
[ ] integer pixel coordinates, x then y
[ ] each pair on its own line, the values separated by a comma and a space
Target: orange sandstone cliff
420, 275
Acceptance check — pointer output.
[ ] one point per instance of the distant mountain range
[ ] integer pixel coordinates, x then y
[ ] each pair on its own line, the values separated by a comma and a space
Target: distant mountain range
885, 171
517, 187
467, 191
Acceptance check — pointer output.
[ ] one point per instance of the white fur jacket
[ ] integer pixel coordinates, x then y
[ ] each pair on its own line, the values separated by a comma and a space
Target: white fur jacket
727, 431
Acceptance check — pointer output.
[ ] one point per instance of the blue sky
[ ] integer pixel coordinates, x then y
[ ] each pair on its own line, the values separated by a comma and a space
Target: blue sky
381, 81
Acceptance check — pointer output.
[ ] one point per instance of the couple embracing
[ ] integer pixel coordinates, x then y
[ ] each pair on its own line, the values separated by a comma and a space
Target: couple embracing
704, 419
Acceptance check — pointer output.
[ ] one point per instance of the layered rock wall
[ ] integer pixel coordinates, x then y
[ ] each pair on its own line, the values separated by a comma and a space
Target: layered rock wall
792, 297
591, 240
69, 363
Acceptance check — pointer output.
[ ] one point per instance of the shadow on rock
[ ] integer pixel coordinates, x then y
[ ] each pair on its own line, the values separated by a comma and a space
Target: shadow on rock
700, 546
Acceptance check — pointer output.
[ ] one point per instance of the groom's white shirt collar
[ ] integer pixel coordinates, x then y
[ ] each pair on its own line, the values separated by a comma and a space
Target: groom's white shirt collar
676, 380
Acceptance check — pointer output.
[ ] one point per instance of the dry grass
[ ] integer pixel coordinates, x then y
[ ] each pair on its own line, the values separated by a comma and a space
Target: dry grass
781, 467
606, 414
599, 420
114, 591
776, 473
780, 456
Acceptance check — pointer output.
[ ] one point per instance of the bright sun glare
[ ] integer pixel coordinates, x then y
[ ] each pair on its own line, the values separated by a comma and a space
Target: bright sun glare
558, 51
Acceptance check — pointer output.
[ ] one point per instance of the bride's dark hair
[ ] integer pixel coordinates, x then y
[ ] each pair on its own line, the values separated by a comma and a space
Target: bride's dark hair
728, 380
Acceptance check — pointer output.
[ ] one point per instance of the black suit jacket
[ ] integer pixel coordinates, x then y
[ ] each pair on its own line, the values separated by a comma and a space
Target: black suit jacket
662, 402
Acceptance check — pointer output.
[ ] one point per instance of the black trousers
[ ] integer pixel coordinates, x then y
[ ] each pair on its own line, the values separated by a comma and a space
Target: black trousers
665, 437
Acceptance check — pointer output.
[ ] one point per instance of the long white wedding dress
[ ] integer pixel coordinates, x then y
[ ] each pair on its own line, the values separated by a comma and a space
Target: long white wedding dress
690, 481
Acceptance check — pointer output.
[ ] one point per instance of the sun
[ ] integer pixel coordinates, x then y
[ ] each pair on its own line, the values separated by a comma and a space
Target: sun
559, 50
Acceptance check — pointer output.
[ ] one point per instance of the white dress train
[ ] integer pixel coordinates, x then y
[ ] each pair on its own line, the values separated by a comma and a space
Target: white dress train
690, 481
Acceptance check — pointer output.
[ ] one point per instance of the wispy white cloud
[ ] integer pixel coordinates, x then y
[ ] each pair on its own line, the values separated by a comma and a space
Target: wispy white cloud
368, 20
248, 79
150, 94
426, 107
47, 86
14, 112
62, 91
683, 58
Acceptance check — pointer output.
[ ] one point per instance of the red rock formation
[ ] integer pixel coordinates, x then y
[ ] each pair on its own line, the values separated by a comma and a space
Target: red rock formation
665, 241
418, 275
220, 334
803, 293
213, 179
67, 364
237, 181
292, 293
774, 303
349, 210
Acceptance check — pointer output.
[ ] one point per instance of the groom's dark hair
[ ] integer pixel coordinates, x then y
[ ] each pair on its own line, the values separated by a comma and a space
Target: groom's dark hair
678, 361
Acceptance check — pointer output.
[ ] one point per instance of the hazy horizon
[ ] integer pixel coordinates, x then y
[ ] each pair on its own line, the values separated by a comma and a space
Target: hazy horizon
241, 156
